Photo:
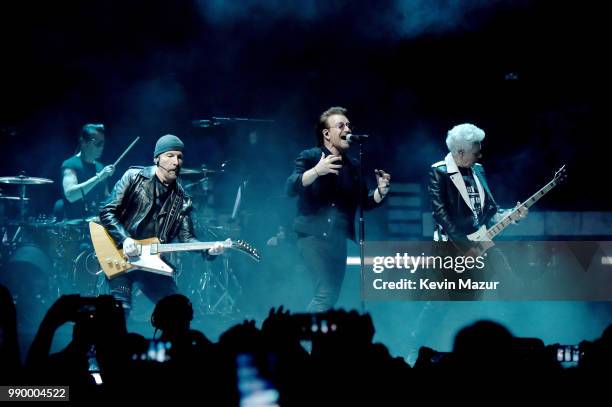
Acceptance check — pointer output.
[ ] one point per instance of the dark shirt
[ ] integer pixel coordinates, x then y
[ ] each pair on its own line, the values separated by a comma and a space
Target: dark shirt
345, 192
472, 190
150, 226
328, 205
93, 199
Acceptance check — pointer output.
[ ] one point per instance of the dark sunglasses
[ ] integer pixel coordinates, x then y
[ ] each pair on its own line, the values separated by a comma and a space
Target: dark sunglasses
97, 143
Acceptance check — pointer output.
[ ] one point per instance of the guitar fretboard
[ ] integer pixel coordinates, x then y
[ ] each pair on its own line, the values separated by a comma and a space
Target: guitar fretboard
508, 219
184, 247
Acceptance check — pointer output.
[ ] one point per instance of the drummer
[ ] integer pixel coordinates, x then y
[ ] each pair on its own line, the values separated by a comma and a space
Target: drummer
84, 177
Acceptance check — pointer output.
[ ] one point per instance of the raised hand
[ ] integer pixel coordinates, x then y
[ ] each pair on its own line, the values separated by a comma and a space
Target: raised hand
383, 180
327, 165
106, 172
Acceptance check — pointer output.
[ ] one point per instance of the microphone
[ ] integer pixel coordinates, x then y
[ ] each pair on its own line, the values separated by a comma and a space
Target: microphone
177, 170
354, 137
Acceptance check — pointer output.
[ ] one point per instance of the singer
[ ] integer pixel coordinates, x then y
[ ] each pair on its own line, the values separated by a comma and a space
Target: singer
326, 182
149, 202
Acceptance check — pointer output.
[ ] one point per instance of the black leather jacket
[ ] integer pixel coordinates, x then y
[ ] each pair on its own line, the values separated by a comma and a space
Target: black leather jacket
319, 204
452, 215
132, 199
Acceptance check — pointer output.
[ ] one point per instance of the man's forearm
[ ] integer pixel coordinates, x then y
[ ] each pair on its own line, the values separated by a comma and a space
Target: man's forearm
310, 176
75, 192
378, 197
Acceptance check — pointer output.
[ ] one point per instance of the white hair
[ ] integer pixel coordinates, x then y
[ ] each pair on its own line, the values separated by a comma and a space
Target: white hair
463, 136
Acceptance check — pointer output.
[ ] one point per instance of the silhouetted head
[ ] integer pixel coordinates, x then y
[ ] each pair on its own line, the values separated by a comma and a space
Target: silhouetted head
172, 314
484, 343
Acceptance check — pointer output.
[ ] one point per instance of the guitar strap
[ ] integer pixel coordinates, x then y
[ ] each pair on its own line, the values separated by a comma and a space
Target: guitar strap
171, 209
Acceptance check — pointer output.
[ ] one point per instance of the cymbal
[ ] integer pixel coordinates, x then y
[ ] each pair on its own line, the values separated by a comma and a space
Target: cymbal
23, 180
203, 171
191, 171
13, 198
73, 222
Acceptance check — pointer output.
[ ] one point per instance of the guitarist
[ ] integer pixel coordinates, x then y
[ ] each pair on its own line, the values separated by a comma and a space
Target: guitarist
149, 202
460, 195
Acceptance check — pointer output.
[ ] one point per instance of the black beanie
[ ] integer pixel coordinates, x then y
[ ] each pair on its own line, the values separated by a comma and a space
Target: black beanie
168, 143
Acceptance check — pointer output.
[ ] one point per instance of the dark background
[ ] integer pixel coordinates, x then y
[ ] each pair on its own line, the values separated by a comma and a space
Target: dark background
530, 73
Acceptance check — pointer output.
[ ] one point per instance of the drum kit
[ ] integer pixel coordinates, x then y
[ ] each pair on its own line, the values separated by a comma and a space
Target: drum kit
43, 257
41, 244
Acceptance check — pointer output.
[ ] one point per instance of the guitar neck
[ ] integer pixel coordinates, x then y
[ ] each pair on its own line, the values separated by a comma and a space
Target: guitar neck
508, 219
536, 197
184, 247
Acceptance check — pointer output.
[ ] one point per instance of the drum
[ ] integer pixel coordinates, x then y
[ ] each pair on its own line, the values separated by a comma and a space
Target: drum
72, 230
57, 238
87, 276
64, 243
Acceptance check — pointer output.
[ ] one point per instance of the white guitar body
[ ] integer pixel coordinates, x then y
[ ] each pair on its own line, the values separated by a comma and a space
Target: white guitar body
481, 240
480, 235
150, 260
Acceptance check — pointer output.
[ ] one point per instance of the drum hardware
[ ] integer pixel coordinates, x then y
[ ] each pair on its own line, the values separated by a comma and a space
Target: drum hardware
217, 290
212, 285
63, 244
206, 173
86, 273
12, 198
23, 181
203, 170
218, 287
191, 171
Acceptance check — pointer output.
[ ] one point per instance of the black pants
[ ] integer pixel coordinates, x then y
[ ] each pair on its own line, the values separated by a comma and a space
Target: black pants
325, 259
497, 268
154, 286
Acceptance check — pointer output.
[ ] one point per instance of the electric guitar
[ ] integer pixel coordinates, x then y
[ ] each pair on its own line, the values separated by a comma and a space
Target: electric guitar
483, 237
114, 262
